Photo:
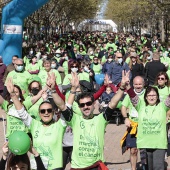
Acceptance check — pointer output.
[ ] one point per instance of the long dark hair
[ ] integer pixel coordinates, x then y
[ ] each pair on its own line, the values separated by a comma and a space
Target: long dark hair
148, 90
15, 159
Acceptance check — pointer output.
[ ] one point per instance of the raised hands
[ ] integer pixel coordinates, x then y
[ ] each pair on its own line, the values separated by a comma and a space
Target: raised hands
10, 85
75, 80
51, 81
125, 79
5, 150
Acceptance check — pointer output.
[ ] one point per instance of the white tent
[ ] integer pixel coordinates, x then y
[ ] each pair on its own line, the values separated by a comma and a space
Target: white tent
97, 22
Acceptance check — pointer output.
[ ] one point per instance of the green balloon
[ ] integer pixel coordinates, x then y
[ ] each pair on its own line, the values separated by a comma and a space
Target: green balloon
19, 143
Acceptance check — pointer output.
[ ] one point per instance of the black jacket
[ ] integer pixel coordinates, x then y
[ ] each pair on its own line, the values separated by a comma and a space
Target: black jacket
152, 69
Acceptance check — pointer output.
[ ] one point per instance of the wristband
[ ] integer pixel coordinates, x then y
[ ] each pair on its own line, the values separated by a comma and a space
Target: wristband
73, 92
125, 117
121, 88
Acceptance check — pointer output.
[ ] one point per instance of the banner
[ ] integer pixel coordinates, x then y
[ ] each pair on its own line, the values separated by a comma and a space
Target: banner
13, 16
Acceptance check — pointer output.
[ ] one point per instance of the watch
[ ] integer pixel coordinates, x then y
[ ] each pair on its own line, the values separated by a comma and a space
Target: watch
125, 117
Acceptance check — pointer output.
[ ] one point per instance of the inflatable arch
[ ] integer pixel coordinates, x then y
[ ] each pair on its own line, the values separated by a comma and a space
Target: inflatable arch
99, 22
13, 16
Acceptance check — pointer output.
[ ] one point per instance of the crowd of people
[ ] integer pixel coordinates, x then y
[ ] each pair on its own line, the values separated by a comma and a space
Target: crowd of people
50, 92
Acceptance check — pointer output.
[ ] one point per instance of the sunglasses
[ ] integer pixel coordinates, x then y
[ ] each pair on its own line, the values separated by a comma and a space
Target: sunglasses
87, 104
73, 66
161, 78
19, 64
42, 111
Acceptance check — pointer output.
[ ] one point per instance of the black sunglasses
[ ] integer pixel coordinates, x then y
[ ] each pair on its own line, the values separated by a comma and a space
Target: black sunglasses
87, 104
42, 111
161, 78
19, 64
73, 66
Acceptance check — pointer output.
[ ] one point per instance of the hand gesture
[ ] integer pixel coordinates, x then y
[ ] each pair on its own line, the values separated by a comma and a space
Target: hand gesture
5, 149
125, 79
75, 80
44, 95
9, 85
51, 81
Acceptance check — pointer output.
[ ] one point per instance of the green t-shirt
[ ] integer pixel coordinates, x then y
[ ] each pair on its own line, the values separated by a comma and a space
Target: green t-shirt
43, 74
84, 76
14, 123
32, 67
127, 60
88, 141
21, 79
65, 66
151, 126
97, 68
133, 114
34, 109
76, 108
47, 140
165, 60
26, 60
40, 63
104, 59
163, 93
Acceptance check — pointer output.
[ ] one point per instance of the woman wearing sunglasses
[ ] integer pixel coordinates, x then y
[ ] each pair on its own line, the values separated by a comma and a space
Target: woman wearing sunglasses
162, 83
47, 134
152, 118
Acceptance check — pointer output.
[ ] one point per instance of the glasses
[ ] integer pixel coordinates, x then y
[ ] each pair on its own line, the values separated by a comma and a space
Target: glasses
73, 66
42, 111
87, 104
19, 64
119, 57
152, 95
161, 78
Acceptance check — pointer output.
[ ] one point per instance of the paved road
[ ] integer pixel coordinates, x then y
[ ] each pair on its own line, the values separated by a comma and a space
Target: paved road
112, 150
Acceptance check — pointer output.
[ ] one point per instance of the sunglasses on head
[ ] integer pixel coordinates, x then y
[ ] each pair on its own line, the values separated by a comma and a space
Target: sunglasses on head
87, 104
161, 78
42, 111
